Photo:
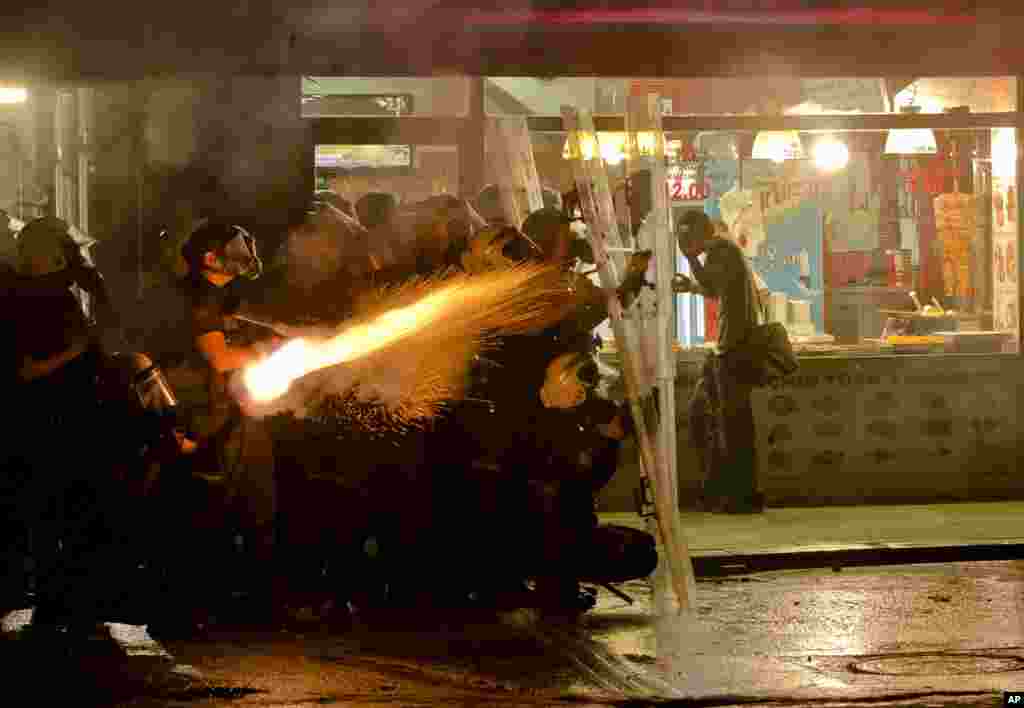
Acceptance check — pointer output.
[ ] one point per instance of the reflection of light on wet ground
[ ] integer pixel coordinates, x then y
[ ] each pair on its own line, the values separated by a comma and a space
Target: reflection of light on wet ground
135, 640
16, 620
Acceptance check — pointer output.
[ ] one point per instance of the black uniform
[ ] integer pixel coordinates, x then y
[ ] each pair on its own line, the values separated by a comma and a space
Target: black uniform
522, 478
59, 438
237, 457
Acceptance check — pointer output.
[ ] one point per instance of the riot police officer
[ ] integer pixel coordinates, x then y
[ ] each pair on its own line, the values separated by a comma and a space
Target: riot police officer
236, 454
56, 359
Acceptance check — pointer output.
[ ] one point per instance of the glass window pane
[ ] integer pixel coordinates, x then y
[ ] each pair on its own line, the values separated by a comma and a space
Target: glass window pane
18, 190
859, 249
325, 96
992, 94
353, 171
753, 96
522, 95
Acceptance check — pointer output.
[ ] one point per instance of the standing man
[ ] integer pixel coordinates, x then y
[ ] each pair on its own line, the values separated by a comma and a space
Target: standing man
241, 449
721, 416
58, 428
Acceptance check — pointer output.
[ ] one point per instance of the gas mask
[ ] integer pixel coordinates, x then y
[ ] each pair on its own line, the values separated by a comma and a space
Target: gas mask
568, 381
238, 256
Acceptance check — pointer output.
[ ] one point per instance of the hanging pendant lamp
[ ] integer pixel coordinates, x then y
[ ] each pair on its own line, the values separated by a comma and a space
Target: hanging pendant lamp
911, 141
777, 146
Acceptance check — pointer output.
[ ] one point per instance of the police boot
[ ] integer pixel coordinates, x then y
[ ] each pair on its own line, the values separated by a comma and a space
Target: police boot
563, 598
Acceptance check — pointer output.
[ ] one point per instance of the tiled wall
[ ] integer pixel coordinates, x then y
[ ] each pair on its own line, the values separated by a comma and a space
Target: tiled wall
882, 429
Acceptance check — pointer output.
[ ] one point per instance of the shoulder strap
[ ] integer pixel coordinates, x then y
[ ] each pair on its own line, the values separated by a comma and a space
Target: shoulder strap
752, 284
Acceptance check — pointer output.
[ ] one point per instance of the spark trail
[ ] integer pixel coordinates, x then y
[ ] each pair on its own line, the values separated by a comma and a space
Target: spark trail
408, 349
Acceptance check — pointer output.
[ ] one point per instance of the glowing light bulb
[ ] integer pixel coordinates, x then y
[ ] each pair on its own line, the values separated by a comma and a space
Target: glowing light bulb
612, 147
831, 155
13, 94
1004, 153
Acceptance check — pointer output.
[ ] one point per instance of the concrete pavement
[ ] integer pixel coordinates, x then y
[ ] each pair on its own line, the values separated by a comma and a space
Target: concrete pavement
925, 634
936, 635
849, 535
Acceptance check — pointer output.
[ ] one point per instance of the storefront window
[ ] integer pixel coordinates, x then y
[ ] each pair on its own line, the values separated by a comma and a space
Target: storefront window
793, 96
869, 250
523, 95
991, 94
861, 245
411, 173
17, 138
876, 236
358, 96
752, 96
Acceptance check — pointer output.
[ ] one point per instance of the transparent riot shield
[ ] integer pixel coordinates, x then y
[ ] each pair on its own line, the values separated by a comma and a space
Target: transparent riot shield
634, 349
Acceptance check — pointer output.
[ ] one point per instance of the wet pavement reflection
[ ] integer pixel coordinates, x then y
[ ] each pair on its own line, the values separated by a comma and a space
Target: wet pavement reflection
951, 631
805, 634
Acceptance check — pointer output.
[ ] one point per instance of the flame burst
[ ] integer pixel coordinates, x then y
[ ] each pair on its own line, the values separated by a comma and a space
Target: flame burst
408, 349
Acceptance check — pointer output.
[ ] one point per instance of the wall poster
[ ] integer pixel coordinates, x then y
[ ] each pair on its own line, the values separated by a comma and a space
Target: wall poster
1004, 230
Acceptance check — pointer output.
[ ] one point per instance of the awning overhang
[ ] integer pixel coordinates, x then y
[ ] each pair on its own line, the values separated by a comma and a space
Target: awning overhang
91, 41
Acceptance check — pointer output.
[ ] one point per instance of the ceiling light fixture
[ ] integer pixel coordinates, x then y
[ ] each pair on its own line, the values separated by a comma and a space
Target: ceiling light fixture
778, 146
831, 155
13, 94
911, 141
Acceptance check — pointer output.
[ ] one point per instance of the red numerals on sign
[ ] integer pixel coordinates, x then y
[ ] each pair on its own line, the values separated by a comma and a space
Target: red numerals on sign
694, 191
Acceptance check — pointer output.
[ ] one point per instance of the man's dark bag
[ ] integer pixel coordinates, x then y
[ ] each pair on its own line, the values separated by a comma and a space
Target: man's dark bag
767, 354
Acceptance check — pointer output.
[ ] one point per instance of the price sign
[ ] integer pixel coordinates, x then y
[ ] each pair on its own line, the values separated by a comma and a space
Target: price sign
681, 189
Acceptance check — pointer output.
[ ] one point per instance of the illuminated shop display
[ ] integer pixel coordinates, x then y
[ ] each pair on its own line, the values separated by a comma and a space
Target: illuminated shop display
861, 231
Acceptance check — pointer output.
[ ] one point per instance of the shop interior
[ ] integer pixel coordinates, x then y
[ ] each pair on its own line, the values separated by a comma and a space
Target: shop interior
866, 241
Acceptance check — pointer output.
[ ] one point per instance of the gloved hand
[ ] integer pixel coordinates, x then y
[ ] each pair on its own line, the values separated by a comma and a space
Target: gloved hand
186, 446
269, 345
634, 279
581, 250
682, 283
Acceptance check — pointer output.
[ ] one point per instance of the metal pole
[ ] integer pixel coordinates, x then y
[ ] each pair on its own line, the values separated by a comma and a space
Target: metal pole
84, 105
14, 144
138, 233
59, 207
21, 186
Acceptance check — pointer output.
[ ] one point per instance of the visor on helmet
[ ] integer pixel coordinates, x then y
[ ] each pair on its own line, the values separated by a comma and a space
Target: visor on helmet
240, 255
568, 380
154, 393
519, 249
